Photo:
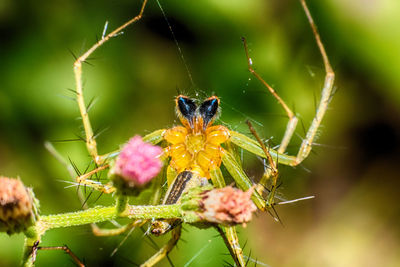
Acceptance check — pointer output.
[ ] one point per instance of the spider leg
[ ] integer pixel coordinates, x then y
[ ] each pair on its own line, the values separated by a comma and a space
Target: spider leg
65, 248
217, 178
326, 96
230, 235
163, 252
152, 138
270, 172
81, 179
105, 188
326, 93
171, 174
91, 144
254, 147
97, 231
241, 179
291, 126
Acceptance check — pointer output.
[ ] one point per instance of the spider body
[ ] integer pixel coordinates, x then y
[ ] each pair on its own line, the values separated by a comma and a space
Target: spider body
194, 150
196, 146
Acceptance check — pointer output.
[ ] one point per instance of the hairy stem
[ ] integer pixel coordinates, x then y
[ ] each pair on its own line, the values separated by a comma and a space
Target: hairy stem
94, 215
101, 214
31, 237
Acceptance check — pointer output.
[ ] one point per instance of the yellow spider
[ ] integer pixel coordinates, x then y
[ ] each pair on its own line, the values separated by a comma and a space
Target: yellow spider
198, 148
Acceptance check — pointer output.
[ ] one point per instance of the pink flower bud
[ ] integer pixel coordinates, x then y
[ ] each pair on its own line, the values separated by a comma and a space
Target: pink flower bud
16, 206
138, 162
227, 205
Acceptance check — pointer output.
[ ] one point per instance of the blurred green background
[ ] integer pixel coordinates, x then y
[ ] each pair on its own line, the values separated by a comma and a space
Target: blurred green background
353, 172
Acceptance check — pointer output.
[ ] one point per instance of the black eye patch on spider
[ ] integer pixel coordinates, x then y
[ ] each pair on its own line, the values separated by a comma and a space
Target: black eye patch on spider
186, 108
208, 110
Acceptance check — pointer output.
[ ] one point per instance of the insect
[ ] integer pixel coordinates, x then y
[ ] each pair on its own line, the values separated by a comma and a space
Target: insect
197, 149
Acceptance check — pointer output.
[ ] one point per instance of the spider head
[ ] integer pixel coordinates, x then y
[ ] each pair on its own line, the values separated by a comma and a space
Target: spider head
197, 117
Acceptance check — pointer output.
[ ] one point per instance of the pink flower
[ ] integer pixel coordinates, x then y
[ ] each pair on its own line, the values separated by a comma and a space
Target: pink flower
138, 162
227, 205
17, 206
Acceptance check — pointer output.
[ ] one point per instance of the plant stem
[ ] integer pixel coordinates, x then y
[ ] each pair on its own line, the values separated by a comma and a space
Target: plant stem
101, 214
31, 236
184, 211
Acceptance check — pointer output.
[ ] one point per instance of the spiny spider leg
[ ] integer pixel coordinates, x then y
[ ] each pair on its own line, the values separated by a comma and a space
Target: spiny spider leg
163, 252
326, 93
306, 145
90, 138
254, 147
97, 231
154, 138
232, 243
241, 179
83, 180
271, 171
291, 126
65, 248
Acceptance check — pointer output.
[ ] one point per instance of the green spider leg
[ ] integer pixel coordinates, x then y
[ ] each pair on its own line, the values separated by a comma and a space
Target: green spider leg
171, 174
326, 94
154, 138
163, 252
64, 248
270, 172
278, 156
175, 224
254, 147
241, 179
228, 233
91, 144
97, 231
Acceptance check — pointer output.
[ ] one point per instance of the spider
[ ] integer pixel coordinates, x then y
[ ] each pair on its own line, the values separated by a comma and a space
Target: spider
198, 148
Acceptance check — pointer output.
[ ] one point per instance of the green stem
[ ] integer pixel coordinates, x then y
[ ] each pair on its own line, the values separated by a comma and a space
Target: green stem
101, 214
31, 236
93, 215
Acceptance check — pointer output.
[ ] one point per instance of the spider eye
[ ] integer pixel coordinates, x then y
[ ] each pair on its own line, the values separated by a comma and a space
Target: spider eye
186, 107
208, 109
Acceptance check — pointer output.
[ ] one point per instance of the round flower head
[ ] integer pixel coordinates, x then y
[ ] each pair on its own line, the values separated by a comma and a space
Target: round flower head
17, 206
227, 205
138, 163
